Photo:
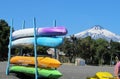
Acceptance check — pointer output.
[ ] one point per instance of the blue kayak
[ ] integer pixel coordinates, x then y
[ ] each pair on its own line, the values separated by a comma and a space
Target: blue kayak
41, 41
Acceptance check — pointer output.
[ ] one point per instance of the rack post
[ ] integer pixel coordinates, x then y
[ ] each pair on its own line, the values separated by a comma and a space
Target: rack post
54, 24
23, 26
9, 50
35, 49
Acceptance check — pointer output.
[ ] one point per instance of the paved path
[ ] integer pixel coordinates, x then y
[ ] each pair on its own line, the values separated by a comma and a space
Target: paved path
69, 71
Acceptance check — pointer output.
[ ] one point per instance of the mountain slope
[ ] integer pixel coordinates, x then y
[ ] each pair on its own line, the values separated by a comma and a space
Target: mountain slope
98, 32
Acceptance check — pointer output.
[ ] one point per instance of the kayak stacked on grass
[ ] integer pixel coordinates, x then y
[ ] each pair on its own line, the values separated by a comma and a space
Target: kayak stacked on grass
48, 36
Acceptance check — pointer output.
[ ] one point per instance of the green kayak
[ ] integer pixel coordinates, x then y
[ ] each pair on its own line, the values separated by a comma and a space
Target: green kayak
49, 73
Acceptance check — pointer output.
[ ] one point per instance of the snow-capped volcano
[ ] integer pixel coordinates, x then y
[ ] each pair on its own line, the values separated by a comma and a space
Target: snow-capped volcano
98, 32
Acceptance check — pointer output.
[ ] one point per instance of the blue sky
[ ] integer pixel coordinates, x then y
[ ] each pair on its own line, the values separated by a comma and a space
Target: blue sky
75, 15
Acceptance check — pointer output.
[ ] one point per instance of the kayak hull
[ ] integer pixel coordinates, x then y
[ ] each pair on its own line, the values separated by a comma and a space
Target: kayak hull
45, 62
41, 41
46, 31
49, 73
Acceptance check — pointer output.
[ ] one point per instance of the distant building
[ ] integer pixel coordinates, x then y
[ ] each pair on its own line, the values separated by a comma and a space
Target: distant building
51, 51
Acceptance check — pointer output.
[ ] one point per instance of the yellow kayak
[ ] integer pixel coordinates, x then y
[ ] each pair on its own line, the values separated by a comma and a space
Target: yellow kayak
102, 75
46, 62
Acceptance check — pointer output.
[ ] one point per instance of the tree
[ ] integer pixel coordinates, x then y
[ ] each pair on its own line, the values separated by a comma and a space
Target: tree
101, 49
87, 47
4, 38
67, 48
114, 51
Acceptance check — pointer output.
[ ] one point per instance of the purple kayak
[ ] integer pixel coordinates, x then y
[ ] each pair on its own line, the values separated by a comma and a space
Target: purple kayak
46, 31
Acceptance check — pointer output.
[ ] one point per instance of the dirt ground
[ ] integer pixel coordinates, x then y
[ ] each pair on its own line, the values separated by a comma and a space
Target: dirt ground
69, 71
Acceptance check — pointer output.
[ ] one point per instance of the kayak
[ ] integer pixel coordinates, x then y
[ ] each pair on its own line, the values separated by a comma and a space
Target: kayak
49, 73
41, 41
102, 75
46, 31
45, 62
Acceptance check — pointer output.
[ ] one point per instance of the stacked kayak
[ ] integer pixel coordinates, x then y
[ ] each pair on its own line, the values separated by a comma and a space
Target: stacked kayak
41, 41
48, 36
46, 31
26, 64
44, 62
49, 73
45, 36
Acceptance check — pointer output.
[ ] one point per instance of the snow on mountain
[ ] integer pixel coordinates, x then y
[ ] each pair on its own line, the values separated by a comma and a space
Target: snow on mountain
98, 32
